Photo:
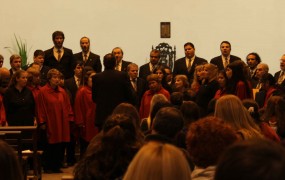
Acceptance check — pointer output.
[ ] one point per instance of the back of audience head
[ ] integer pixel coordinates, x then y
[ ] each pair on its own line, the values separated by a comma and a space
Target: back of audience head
252, 107
130, 110
176, 99
253, 159
213, 133
275, 109
16, 76
231, 110
85, 77
157, 98
190, 112
168, 122
9, 164
159, 161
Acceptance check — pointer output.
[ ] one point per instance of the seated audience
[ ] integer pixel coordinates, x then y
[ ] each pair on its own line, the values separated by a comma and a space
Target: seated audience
253, 159
10, 168
158, 161
274, 115
231, 110
265, 129
110, 159
216, 135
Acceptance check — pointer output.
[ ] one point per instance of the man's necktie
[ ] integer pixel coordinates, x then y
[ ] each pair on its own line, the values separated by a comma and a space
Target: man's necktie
58, 54
85, 57
226, 62
189, 65
134, 82
281, 77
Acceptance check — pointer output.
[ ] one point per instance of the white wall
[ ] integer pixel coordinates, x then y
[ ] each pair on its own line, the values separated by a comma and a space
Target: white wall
251, 25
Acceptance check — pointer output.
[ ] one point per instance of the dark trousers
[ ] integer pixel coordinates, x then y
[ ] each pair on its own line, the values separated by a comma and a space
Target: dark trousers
83, 146
70, 150
53, 156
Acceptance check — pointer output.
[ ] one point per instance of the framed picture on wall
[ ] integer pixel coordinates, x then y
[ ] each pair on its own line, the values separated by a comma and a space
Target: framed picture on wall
164, 29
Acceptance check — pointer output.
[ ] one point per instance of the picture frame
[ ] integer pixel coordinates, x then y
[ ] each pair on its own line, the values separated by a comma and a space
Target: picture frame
165, 30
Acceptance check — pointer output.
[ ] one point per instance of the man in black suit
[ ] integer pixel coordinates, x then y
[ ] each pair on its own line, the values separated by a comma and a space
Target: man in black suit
147, 68
226, 58
252, 60
87, 57
110, 88
187, 64
59, 57
280, 75
121, 65
138, 84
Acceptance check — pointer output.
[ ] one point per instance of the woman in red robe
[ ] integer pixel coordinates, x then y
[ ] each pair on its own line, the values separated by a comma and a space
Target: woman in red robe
55, 114
84, 111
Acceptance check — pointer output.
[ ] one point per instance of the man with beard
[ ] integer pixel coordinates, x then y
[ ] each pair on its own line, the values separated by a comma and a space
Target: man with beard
87, 57
226, 58
59, 57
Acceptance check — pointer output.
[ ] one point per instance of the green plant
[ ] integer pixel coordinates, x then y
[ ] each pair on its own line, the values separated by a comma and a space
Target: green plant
22, 50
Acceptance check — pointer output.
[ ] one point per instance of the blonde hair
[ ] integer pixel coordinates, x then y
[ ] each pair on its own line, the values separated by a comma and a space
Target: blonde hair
160, 162
196, 84
231, 110
213, 71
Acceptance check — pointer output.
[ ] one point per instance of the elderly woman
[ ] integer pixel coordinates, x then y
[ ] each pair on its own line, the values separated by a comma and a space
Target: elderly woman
155, 87
19, 101
55, 113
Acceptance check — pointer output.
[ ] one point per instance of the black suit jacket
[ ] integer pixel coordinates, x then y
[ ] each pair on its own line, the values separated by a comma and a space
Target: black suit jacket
144, 71
141, 88
110, 88
92, 61
125, 65
181, 68
281, 87
218, 61
65, 65
71, 85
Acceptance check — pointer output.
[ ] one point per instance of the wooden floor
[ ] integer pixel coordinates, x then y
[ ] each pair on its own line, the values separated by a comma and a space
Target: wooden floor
66, 172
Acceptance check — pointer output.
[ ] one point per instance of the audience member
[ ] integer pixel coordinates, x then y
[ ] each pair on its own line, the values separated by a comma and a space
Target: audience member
87, 57
254, 159
19, 101
110, 159
158, 161
167, 123
148, 68
253, 109
121, 65
231, 110
216, 135
226, 58
274, 115
109, 89
10, 168
59, 57
187, 64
